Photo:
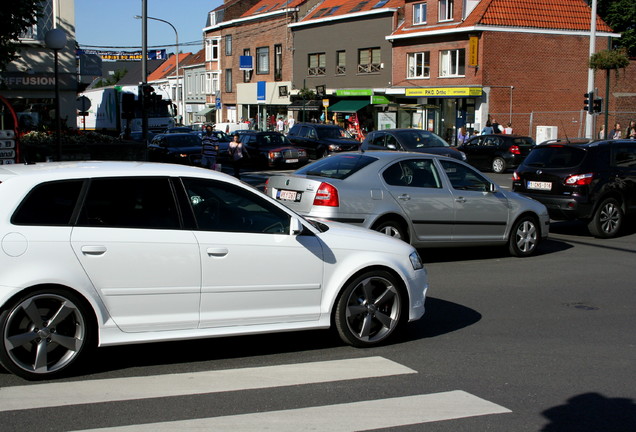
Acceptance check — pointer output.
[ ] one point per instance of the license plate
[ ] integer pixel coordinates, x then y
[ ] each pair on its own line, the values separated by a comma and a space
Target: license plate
291, 160
537, 185
288, 195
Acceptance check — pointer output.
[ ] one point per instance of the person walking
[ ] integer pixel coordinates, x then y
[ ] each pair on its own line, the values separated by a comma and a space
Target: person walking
209, 148
238, 153
630, 133
462, 136
496, 127
615, 133
601, 133
487, 130
280, 125
508, 129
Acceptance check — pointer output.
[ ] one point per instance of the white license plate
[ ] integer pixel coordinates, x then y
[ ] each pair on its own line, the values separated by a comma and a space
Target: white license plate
291, 161
287, 195
537, 185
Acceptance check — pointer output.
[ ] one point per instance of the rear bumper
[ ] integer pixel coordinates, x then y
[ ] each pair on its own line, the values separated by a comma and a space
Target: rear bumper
566, 207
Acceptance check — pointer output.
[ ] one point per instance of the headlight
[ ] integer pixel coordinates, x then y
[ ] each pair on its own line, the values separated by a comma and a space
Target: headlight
416, 261
334, 147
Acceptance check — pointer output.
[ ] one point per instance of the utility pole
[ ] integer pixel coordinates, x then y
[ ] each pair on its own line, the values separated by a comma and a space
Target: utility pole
144, 67
589, 118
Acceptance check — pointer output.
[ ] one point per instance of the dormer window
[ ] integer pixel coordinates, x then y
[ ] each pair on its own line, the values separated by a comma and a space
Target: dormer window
419, 13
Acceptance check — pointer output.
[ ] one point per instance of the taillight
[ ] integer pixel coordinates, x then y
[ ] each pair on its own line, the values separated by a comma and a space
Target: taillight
326, 195
266, 186
515, 149
579, 179
515, 176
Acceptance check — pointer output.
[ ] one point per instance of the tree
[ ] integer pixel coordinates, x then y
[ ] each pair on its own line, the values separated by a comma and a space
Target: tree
620, 15
16, 17
117, 75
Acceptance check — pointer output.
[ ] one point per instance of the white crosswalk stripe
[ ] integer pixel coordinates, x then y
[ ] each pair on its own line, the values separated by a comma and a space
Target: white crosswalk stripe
369, 414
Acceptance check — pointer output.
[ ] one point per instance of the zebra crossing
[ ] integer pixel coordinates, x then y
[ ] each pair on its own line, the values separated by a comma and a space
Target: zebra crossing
370, 414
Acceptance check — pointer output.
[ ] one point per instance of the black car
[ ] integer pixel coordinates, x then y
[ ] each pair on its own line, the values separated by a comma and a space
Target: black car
594, 182
497, 152
320, 140
179, 129
413, 140
181, 148
272, 149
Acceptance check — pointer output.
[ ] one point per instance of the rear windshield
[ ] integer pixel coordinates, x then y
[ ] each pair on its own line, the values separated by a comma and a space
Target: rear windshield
555, 157
339, 166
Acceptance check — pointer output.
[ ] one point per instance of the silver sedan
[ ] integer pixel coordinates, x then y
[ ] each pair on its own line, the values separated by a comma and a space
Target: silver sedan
427, 200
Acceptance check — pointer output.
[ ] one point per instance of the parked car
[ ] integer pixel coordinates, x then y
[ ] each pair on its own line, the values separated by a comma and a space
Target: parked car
179, 129
413, 140
114, 253
427, 200
181, 148
321, 140
497, 152
272, 149
594, 182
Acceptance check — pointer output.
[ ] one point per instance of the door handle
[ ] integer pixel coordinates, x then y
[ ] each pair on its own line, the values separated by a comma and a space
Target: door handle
93, 250
404, 197
217, 252
460, 200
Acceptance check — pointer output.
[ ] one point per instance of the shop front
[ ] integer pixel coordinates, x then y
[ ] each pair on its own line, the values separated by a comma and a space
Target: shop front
262, 103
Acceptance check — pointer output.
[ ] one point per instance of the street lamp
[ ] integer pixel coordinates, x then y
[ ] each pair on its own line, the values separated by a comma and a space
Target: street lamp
55, 39
176, 34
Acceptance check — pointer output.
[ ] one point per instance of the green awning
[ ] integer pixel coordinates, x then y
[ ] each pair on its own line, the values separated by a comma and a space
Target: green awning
348, 106
204, 111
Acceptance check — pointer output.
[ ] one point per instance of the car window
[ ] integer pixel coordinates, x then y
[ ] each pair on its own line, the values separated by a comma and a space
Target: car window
412, 173
474, 142
219, 206
417, 138
555, 156
625, 156
130, 202
332, 133
391, 142
462, 177
337, 166
378, 139
49, 204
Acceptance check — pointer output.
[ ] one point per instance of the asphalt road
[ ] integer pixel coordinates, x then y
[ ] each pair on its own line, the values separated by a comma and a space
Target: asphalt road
545, 343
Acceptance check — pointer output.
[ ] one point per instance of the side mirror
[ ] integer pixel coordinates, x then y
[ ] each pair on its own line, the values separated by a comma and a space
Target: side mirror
296, 227
493, 188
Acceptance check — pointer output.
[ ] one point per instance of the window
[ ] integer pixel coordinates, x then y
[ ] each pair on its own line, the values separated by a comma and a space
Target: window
228, 45
462, 177
445, 10
228, 80
369, 60
341, 62
412, 173
247, 74
211, 49
419, 65
278, 62
49, 204
211, 82
137, 202
452, 63
317, 63
44, 23
262, 60
219, 206
419, 13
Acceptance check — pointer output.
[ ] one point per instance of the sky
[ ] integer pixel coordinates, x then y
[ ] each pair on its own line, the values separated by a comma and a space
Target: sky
100, 24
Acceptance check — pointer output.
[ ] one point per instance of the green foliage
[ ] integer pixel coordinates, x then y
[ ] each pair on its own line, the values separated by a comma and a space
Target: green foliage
16, 17
306, 94
621, 16
119, 74
609, 59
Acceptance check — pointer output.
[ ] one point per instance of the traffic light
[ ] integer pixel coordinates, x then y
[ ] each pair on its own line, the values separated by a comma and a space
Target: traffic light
146, 95
589, 102
128, 105
598, 105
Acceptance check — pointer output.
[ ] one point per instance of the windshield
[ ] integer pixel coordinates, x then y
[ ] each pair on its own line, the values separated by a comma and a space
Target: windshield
555, 157
417, 139
333, 132
183, 140
339, 166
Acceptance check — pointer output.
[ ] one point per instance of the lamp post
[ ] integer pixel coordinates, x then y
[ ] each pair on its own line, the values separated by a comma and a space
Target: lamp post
55, 39
176, 34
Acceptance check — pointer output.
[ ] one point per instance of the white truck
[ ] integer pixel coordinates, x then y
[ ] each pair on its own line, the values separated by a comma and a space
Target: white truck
114, 108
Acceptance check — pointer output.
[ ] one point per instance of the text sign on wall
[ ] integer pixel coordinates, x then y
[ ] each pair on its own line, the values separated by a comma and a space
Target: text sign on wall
473, 51
444, 91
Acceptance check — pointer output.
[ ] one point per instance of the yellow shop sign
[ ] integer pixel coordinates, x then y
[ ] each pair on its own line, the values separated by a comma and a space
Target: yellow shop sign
444, 91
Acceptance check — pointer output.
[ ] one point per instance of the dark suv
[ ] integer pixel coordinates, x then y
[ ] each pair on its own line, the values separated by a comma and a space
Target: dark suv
321, 139
595, 182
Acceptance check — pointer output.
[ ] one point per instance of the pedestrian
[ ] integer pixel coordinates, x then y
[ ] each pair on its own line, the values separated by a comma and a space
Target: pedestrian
238, 153
601, 133
209, 148
462, 136
290, 122
615, 133
280, 125
630, 133
487, 130
496, 127
508, 129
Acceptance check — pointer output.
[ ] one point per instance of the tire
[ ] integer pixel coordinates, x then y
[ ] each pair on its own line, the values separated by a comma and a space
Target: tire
607, 220
524, 237
498, 165
44, 333
369, 310
392, 228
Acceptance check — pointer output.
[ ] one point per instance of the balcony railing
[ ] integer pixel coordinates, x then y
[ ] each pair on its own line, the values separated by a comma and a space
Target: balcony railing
315, 71
369, 68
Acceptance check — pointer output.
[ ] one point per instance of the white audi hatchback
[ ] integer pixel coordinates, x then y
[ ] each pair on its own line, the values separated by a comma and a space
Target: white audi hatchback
108, 253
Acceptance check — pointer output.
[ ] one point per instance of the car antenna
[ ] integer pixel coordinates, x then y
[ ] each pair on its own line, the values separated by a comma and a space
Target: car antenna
567, 139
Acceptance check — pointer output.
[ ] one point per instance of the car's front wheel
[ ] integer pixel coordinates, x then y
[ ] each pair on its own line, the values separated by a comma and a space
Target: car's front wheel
607, 220
369, 309
524, 237
43, 333
498, 165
